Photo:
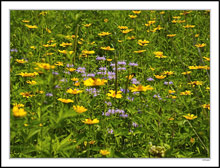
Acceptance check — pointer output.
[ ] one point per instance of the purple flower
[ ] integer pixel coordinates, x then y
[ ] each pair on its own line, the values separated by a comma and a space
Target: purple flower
168, 83
14, 50
134, 124
101, 73
134, 81
108, 103
69, 65
57, 86
67, 72
55, 73
93, 91
133, 64
121, 63
102, 68
130, 98
111, 75
110, 131
100, 58
124, 115
81, 69
49, 94
112, 64
91, 75
63, 80
150, 79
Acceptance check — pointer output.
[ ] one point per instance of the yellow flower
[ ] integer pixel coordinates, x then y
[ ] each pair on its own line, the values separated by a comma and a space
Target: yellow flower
207, 88
181, 21
79, 109
108, 59
131, 38
25, 21
160, 76
132, 16
45, 66
185, 12
171, 118
18, 105
41, 92
77, 84
104, 152
92, 142
65, 44
171, 91
90, 122
173, 21
25, 125
94, 82
196, 83
206, 106
75, 91
122, 27
25, 74
189, 26
127, 31
130, 77
21, 61
168, 73
187, 92
112, 94
185, 73
162, 12
107, 48
26, 94
65, 52
48, 30
87, 25
43, 13
136, 12
140, 88
88, 52
176, 17
197, 35
206, 58
65, 100
200, 45
139, 51
58, 63
190, 116
171, 35
71, 69
75, 79
19, 112
50, 45
119, 41
33, 47
159, 54
31, 27
104, 34
192, 140
143, 42
31, 82
105, 20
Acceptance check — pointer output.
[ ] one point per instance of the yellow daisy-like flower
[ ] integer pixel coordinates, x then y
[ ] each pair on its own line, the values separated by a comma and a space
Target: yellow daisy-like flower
87, 25
33, 47
79, 109
185, 73
108, 48
176, 17
25, 21
171, 35
92, 142
189, 26
90, 121
26, 94
192, 140
196, 83
88, 52
18, 105
31, 27
160, 76
200, 45
71, 69
139, 51
173, 21
136, 12
143, 42
94, 82
31, 82
168, 73
132, 16
112, 94
190, 116
197, 35
127, 31
122, 27
74, 91
45, 66
171, 119
187, 92
171, 91
108, 59
104, 152
207, 88
65, 44
130, 77
105, 20
65, 52
25, 74
19, 112
104, 34
131, 38
140, 88
48, 30
206, 106
162, 12
65, 100
21, 61
59, 63
77, 84
75, 79
43, 13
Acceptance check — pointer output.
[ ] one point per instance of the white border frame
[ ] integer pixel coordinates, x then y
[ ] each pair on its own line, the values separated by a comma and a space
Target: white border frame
119, 5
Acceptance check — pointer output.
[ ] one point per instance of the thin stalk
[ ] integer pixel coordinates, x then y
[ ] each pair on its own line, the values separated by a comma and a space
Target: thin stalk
116, 74
75, 43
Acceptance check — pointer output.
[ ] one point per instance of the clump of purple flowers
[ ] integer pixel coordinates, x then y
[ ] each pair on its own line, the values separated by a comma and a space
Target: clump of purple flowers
69, 65
110, 131
134, 124
150, 79
81, 70
100, 58
133, 64
115, 111
135, 81
49, 94
157, 96
93, 91
111, 75
168, 83
108, 103
14, 50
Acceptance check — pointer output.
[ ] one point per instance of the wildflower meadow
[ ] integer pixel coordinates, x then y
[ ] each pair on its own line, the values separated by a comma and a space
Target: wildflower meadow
110, 84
